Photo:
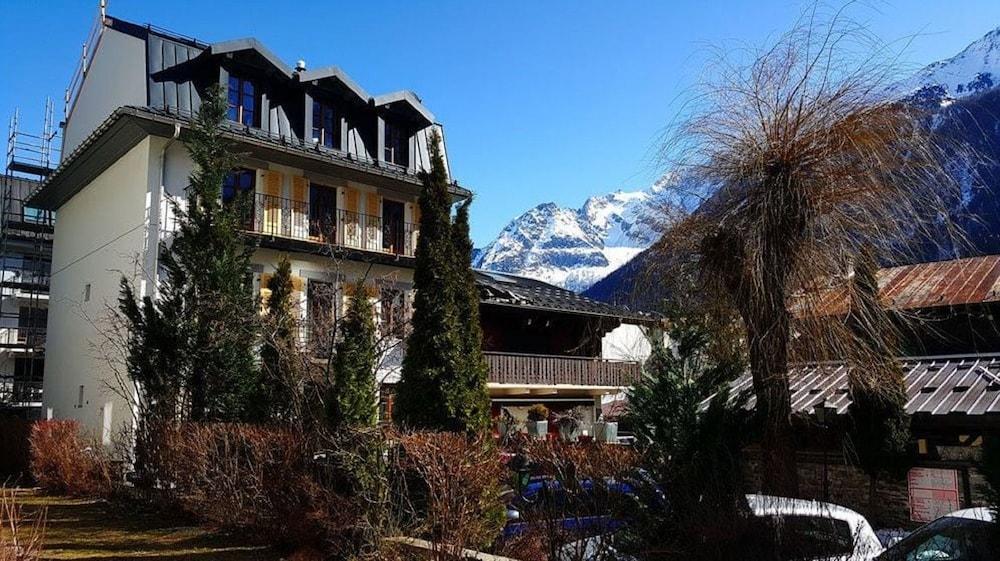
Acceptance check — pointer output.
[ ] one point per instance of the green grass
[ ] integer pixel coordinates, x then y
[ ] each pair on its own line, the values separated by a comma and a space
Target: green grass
87, 529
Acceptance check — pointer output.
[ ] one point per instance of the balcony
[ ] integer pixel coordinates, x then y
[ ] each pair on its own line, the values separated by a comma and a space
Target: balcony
278, 217
545, 370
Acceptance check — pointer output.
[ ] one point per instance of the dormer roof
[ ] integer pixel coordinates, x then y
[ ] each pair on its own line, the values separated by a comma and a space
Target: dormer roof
336, 76
251, 51
407, 104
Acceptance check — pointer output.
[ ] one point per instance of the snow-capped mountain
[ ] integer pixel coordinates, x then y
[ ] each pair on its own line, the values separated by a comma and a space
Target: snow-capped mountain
972, 71
574, 248
962, 94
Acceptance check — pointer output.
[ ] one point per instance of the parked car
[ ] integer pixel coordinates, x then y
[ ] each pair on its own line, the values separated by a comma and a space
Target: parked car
965, 535
816, 531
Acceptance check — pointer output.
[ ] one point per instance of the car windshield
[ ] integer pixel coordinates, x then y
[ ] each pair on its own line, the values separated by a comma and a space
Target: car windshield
948, 539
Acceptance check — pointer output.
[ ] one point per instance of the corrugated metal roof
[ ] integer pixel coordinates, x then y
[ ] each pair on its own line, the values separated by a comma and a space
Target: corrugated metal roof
972, 280
964, 385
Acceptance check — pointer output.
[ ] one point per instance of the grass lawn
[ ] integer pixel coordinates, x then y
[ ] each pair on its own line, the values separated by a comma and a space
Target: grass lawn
85, 529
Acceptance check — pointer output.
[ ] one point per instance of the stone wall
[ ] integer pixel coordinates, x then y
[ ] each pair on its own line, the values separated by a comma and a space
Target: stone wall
849, 486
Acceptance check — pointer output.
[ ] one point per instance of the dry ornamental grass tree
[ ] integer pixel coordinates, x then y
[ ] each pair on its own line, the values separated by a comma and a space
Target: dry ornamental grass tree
804, 164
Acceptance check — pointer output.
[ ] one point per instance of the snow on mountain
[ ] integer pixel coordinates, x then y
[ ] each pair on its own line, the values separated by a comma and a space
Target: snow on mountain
574, 248
974, 70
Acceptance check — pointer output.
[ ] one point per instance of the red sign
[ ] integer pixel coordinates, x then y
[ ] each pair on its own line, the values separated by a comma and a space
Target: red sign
933, 493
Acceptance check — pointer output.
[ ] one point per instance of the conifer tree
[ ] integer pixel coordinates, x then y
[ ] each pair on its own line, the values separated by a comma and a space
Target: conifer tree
278, 353
198, 337
433, 347
880, 431
468, 390
352, 395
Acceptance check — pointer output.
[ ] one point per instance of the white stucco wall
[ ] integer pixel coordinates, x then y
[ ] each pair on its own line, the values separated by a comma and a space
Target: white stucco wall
116, 77
98, 238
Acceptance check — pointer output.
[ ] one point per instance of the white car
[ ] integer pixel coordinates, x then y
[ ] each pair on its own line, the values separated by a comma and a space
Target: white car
816, 531
804, 531
964, 535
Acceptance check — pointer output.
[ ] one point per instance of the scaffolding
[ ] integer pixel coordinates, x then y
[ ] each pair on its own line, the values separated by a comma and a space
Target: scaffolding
25, 264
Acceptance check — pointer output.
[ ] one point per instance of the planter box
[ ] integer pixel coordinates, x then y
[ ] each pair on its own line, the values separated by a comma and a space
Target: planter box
538, 429
606, 432
570, 434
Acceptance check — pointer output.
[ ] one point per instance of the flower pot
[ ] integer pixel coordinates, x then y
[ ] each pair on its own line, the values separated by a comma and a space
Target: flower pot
606, 431
538, 429
506, 427
569, 432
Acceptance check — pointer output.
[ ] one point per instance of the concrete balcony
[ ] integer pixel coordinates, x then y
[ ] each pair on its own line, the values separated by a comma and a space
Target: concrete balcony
514, 369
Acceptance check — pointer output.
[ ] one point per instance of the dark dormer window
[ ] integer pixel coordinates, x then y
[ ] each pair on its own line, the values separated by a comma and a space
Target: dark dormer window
397, 145
325, 126
242, 101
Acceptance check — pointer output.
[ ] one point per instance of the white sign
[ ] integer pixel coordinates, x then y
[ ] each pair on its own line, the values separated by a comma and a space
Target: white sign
933, 493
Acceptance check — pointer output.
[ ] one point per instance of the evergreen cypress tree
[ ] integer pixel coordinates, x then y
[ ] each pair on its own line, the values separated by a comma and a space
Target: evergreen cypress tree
470, 399
201, 332
278, 353
352, 395
880, 431
432, 348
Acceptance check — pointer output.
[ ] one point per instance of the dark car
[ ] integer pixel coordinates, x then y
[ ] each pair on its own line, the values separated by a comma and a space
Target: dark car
966, 535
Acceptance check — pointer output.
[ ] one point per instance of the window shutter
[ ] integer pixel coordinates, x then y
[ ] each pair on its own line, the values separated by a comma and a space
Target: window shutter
351, 197
265, 292
272, 203
374, 204
300, 209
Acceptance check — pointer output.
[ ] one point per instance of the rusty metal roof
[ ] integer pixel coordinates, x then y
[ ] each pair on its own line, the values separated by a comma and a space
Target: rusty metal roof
973, 280
964, 385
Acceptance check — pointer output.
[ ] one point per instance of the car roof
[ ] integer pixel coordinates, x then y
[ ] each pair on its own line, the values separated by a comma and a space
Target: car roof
979, 513
765, 505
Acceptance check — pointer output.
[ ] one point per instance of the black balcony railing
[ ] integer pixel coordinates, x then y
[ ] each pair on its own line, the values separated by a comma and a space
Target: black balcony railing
286, 218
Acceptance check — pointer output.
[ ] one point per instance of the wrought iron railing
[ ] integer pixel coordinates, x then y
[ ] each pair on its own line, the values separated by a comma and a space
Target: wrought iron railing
546, 370
286, 218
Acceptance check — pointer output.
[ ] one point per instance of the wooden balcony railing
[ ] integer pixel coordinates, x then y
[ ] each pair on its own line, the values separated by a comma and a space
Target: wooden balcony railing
546, 370
280, 217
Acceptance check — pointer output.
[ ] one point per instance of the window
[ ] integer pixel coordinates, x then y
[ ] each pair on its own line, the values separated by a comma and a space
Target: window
237, 182
397, 145
79, 398
322, 212
242, 101
813, 537
238, 187
321, 316
86, 292
325, 126
392, 312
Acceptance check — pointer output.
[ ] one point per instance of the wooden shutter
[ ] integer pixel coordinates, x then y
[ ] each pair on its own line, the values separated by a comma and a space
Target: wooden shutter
351, 221
272, 203
265, 292
373, 229
300, 207
351, 199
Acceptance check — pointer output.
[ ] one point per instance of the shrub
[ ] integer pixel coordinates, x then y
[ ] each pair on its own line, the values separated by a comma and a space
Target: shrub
63, 462
242, 477
456, 489
538, 412
15, 448
20, 540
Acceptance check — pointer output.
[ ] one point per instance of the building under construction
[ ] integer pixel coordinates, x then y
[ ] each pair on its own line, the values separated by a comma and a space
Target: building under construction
25, 265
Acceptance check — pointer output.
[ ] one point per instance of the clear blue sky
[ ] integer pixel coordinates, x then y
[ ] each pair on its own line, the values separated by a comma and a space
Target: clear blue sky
541, 101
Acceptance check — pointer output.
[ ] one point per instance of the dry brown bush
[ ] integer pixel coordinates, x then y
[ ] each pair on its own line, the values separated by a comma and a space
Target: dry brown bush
243, 477
64, 462
20, 539
454, 481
